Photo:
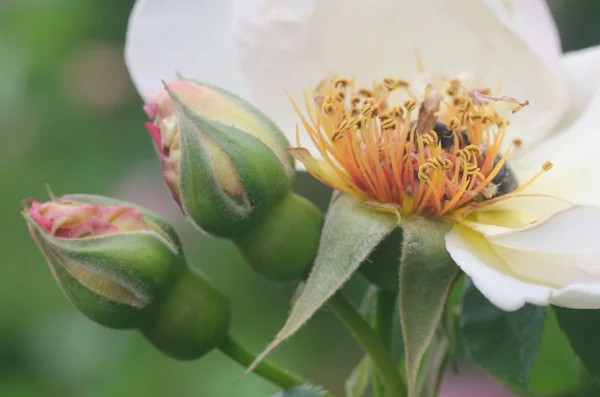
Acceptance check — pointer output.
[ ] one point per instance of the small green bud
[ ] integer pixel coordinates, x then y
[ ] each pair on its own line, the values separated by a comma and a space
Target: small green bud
224, 161
111, 259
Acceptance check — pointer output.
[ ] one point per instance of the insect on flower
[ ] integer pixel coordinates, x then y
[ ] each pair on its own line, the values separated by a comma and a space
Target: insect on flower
433, 154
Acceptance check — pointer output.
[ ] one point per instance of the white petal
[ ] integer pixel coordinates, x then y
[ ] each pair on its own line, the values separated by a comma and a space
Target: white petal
578, 296
533, 22
292, 45
573, 231
490, 274
191, 38
556, 261
574, 153
581, 68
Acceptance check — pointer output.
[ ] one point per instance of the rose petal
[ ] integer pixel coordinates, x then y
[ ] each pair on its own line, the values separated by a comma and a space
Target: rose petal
574, 154
581, 68
88, 229
292, 45
189, 37
556, 261
490, 274
573, 231
124, 218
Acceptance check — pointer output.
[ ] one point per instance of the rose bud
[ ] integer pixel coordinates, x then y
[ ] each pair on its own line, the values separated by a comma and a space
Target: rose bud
227, 167
225, 163
122, 266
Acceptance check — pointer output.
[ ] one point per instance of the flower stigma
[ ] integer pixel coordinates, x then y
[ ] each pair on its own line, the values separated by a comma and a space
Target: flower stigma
438, 154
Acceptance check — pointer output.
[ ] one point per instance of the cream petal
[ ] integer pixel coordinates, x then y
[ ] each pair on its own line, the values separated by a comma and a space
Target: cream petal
191, 38
574, 153
581, 69
578, 296
573, 231
292, 45
490, 274
556, 261
533, 22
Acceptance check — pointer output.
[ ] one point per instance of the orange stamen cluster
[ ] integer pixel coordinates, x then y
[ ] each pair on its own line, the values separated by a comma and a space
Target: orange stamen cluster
381, 144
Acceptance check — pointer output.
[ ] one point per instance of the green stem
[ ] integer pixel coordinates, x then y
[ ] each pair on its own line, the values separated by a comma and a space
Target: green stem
384, 315
370, 342
270, 372
436, 364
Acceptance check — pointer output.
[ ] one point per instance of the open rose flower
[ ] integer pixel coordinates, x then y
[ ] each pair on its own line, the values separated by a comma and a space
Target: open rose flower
520, 235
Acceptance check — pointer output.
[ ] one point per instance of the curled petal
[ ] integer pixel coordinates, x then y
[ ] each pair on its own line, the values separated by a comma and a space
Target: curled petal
552, 262
574, 153
91, 228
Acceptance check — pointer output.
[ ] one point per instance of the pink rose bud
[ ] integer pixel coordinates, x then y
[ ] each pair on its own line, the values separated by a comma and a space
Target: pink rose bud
123, 267
223, 160
111, 259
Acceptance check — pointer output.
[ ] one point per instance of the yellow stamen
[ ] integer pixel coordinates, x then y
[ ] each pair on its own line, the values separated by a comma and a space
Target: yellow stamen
376, 150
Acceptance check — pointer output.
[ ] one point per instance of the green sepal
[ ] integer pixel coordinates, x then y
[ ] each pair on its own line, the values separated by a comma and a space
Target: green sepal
427, 273
190, 320
273, 130
262, 176
113, 279
350, 234
502, 343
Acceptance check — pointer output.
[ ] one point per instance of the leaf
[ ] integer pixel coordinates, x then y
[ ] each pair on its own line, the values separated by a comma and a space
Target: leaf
302, 391
556, 371
581, 328
502, 343
350, 233
357, 383
426, 276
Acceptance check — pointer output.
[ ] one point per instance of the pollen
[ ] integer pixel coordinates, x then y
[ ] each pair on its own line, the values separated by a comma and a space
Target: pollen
427, 153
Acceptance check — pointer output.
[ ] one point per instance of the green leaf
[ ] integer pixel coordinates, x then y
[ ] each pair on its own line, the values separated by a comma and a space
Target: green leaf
426, 276
357, 383
350, 233
302, 391
556, 371
581, 328
502, 343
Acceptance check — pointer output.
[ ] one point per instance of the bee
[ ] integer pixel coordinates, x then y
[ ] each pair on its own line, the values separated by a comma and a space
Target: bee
503, 183
445, 136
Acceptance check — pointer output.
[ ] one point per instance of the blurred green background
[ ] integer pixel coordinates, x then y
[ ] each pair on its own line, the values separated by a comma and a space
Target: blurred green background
70, 117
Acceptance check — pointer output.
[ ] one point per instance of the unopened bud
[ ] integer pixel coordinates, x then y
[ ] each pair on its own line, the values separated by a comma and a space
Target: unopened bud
224, 161
122, 266
112, 261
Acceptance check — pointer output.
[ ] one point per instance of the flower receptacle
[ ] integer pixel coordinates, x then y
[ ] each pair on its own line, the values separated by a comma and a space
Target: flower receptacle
192, 319
283, 245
